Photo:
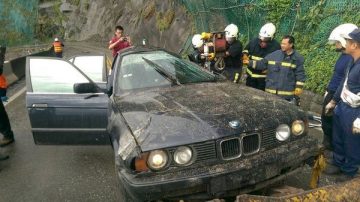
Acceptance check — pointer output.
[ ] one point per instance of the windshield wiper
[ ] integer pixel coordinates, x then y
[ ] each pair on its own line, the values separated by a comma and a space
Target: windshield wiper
162, 71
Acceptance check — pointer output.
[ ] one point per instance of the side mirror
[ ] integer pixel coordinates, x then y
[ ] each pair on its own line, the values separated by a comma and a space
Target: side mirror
81, 88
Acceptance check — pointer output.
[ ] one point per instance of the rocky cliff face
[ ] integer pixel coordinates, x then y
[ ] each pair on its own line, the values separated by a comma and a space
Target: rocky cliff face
163, 23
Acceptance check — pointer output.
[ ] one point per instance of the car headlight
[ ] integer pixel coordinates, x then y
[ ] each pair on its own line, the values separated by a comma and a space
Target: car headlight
298, 127
183, 155
157, 159
282, 132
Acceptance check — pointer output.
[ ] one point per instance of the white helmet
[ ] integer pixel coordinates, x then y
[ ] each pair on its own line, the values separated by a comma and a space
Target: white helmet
197, 41
339, 31
231, 31
267, 31
56, 39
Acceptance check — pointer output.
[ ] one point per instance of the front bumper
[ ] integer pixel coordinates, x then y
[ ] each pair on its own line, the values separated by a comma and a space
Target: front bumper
205, 181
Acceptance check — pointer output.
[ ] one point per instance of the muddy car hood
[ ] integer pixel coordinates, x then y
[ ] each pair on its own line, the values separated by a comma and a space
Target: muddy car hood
186, 114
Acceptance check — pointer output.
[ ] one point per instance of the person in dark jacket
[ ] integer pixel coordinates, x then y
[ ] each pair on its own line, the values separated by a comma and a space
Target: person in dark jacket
285, 70
233, 54
5, 127
346, 116
195, 56
339, 73
257, 49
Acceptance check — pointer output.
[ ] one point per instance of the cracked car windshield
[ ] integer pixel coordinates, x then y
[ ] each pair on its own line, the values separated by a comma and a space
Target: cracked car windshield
158, 68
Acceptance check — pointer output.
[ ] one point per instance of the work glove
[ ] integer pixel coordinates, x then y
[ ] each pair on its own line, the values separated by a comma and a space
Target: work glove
356, 127
325, 94
329, 108
245, 59
298, 91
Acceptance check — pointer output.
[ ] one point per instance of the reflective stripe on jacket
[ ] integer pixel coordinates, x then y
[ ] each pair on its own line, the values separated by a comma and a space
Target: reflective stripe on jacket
285, 72
58, 47
3, 83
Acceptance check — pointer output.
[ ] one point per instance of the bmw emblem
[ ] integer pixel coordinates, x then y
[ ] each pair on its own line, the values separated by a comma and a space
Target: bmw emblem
235, 124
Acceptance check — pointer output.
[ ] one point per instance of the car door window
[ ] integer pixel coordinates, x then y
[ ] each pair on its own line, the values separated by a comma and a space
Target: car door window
54, 76
92, 66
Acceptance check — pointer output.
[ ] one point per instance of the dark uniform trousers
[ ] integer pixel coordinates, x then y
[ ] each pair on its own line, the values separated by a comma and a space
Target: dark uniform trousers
5, 127
345, 143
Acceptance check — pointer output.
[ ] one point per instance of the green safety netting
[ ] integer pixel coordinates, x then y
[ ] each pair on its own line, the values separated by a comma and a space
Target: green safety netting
17, 20
250, 15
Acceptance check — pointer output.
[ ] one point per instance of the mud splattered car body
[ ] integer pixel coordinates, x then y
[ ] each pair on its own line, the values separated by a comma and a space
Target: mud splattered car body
200, 139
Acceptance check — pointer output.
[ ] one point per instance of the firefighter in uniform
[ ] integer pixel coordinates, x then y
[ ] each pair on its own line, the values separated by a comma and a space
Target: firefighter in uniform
195, 56
346, 117
339, 73
257, 49
58, 48
285, 70
233, 54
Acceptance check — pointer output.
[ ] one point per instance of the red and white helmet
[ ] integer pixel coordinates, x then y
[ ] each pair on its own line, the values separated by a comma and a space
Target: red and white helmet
338, 33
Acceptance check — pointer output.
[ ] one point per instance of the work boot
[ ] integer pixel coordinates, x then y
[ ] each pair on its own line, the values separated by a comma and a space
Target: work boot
6, 140
332, 169
3, 157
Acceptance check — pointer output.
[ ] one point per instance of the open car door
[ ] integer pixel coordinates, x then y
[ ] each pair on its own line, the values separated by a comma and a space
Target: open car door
64, 104
94, 66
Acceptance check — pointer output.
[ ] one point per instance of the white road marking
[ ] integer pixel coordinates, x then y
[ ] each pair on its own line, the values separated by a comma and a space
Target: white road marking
16, 95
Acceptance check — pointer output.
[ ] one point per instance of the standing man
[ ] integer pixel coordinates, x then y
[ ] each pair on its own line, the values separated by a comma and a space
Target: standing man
58, 47
119, 41
5, 127
346, 118
257, 49
286, 74
233, 54
339, 72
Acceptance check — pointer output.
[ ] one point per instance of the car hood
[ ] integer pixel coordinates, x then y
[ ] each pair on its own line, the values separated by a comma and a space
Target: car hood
167, 117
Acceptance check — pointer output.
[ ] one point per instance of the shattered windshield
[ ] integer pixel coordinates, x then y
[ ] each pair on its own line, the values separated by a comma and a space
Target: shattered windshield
158, 68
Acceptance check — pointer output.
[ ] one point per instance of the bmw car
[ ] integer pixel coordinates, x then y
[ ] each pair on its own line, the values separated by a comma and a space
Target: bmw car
178, 131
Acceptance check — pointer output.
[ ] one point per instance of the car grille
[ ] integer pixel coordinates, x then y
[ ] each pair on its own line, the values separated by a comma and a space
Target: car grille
230, 148
268, 139
235, 147
205, 151
251, 144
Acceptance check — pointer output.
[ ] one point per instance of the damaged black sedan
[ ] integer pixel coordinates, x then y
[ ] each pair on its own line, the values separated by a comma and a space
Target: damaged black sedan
178, 131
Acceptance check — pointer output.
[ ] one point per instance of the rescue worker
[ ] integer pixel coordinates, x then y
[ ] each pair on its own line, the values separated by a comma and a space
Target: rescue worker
57, 46
285, 70
257, 49
339, 72
5, 128
195, 56
346, 117
119, 41
233, 54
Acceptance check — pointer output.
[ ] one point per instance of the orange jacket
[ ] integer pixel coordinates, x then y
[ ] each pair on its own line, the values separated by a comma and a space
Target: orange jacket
58, 47
3, 83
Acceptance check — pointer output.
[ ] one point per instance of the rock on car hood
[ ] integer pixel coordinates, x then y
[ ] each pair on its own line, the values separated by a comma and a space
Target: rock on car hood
180, 115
